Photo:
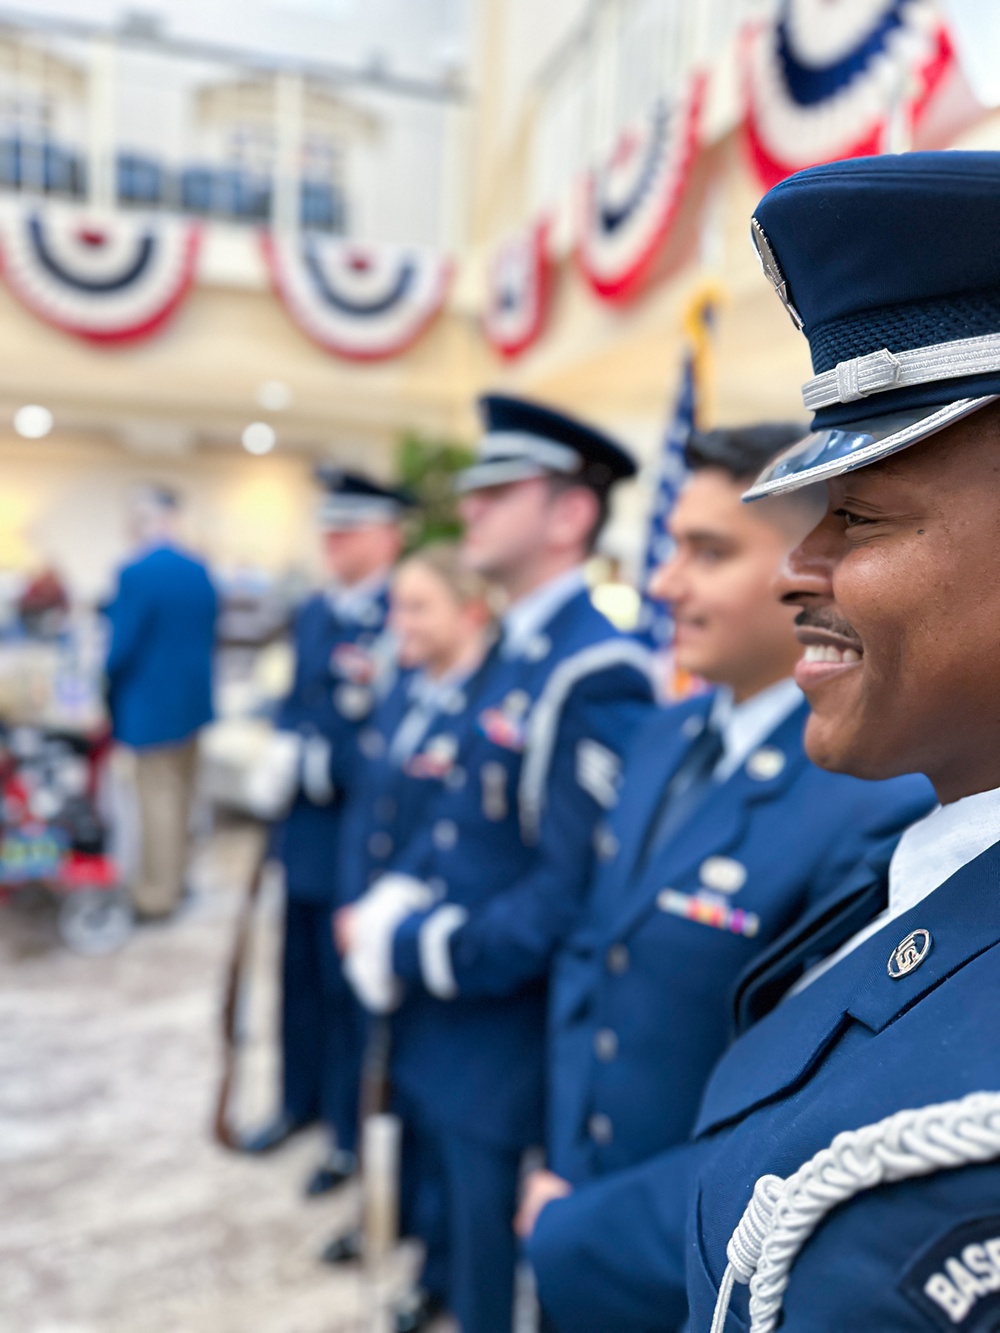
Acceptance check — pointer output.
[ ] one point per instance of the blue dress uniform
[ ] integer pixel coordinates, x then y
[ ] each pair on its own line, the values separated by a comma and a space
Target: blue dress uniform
641, 991
846, 1156
159, 663
409, 745
498, 872
344, 663
510, 862
336, 662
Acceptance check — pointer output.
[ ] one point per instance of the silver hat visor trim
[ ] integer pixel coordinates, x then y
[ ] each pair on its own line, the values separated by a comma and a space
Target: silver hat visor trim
506, 456
830, 453
882, 371
341, 512
501, 472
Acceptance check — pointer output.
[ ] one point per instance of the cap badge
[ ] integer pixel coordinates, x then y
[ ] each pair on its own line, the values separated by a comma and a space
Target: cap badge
766, 763
723, 874
772, 270
909, 953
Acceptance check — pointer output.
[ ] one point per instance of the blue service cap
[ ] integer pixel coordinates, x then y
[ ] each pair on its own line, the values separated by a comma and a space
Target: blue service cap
352, 500
891, 268
522, 439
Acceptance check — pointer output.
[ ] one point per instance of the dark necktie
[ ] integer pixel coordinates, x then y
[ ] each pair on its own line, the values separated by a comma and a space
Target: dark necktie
686, 790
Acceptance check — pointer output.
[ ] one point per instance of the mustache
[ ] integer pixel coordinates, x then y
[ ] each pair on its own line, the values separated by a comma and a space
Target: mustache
826, 618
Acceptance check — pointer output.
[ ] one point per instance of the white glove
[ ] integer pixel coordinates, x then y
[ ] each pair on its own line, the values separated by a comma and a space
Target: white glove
368, 965
273, 779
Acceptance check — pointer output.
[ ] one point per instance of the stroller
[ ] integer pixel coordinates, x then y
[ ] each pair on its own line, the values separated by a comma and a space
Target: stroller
51, 835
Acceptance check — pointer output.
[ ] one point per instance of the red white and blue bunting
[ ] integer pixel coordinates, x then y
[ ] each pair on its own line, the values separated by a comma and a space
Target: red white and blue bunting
108, 278
518, 288
829, 78
631, 202
363, 302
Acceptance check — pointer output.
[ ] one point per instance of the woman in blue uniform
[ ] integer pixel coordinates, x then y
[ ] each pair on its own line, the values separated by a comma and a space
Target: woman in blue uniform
442, 616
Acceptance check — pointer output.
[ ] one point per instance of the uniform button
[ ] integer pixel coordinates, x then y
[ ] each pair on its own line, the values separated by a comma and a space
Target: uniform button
445, 834
455, 780
605, 1044
600, 1127
618, 959
385, 808
380, 845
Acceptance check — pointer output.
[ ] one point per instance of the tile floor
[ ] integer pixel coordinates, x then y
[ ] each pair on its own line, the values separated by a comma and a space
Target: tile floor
118, 1214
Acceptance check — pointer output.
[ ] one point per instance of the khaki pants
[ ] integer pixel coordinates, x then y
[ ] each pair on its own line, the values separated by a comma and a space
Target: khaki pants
164, 779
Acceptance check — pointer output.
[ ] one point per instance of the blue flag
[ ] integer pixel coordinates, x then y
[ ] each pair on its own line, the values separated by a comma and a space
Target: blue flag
656, 624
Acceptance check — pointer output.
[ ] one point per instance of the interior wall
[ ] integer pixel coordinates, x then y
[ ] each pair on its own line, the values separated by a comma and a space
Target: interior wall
63, 503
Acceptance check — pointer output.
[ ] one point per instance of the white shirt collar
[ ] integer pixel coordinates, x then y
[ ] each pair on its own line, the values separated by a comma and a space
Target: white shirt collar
929, 852
528, 616
352, 603
745, 726
935, 847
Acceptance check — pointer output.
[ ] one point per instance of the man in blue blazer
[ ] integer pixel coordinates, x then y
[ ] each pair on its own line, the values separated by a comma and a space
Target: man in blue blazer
723, 836
461, 933
344, 661
159, 674
845, 1162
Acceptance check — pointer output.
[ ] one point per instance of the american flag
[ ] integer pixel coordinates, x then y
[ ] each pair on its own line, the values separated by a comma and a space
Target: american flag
656, 624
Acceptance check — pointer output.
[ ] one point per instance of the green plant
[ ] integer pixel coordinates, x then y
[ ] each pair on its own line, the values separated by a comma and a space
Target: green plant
427, 466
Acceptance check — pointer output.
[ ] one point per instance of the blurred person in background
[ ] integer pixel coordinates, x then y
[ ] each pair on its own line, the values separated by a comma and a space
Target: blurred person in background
457, 936
724, 835
159, 678
344, 661
443, 617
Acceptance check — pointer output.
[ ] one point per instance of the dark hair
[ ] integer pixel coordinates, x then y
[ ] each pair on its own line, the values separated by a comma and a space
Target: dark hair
742, 451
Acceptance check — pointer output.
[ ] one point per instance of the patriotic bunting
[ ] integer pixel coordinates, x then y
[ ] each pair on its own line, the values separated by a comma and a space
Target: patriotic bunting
363, 302
107, 278
828, 79
517, 291
632, 202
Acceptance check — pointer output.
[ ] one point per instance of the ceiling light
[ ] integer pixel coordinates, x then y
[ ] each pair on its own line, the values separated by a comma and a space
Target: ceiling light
259, 438
32, 421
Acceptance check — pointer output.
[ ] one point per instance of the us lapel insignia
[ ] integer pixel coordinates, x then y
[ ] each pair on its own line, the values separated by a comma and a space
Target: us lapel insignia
909, 953
722, 873
766, 763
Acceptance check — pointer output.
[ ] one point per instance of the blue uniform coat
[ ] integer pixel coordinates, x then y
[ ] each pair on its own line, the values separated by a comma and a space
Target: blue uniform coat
853, 1047
159, 663
339, 666
641, 992
508, 836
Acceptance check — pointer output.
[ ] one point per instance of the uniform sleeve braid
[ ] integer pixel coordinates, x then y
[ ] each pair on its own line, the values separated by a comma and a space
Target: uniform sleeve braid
782, 1214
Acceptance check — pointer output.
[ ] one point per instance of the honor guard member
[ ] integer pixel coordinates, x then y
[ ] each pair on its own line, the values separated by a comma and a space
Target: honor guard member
463, 931
442, 616
343, 659
845, 1169
723, 835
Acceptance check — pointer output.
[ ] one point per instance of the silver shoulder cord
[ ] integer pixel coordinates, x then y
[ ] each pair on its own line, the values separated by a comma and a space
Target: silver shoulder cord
782, 1214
